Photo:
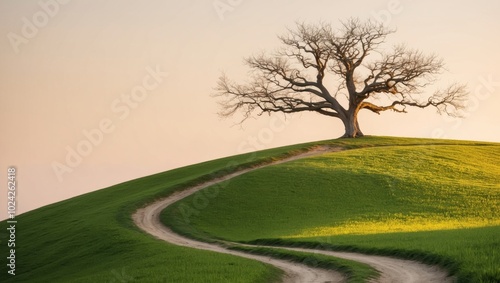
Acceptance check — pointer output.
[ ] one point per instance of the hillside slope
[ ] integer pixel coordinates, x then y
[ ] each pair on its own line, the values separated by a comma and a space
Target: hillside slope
91, 238
361, 196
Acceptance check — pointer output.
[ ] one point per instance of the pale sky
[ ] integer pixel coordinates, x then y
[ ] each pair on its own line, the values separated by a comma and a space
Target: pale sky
128, 83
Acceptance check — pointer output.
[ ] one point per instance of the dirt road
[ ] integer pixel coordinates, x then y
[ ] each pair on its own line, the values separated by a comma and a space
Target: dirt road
391, 269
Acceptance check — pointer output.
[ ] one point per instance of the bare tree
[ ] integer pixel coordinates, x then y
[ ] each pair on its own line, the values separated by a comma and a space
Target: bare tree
337, 73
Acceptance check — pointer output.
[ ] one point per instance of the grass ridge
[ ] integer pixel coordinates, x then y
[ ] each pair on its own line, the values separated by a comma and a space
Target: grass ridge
447, 263
355, 272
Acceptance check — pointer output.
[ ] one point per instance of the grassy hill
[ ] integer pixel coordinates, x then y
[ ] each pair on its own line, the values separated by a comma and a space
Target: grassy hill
425, 201
91, 238
412, 188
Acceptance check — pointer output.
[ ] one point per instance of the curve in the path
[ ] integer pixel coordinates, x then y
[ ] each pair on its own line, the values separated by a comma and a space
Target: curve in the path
391, 269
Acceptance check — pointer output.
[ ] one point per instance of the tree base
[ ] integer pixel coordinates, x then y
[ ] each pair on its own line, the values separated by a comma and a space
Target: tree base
352, 136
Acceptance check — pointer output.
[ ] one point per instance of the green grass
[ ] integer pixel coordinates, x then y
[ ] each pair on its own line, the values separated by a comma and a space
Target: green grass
91, 238
471, 253
407, 197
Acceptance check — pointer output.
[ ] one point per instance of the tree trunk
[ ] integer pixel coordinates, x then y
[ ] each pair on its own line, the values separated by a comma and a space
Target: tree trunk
351, 125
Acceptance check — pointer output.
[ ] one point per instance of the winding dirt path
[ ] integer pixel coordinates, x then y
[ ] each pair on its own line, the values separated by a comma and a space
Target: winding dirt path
392, 270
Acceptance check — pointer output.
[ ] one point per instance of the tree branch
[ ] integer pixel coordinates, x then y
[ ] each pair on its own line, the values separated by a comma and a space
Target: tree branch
449, 101
295, 77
